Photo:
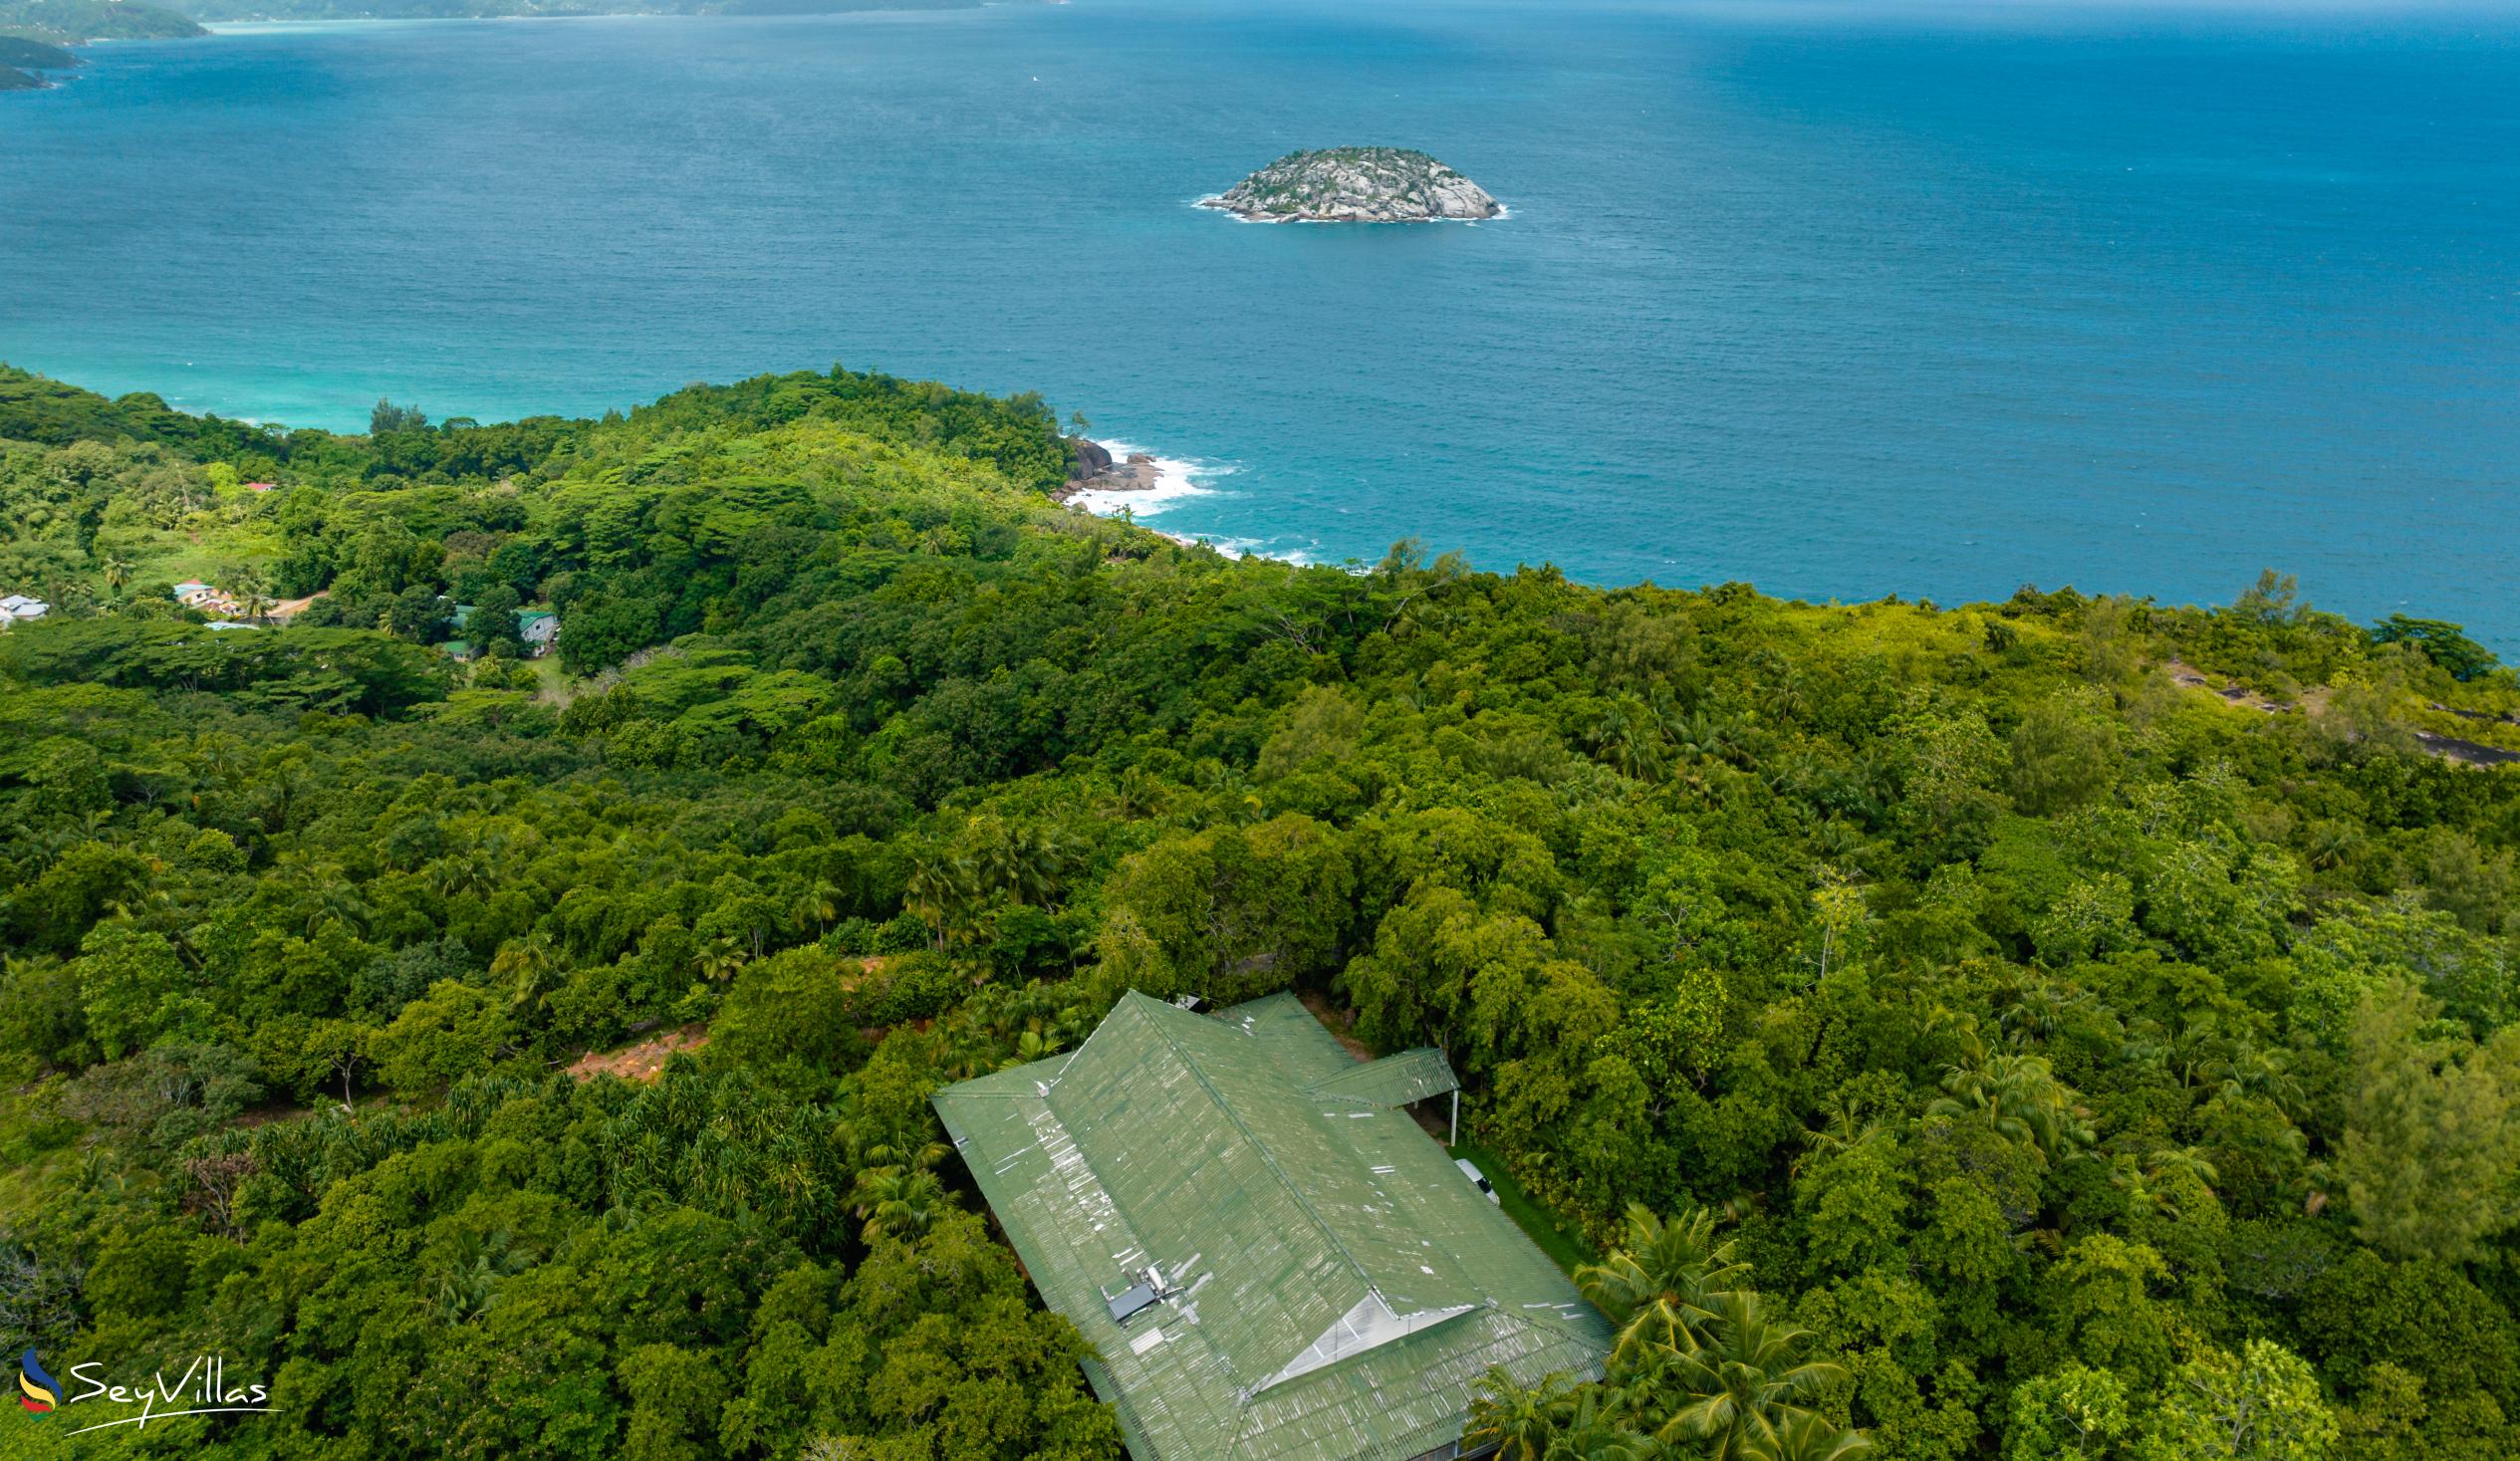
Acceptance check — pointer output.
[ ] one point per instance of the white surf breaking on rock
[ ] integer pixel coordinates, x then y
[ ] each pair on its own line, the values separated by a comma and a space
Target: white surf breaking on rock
1177, 480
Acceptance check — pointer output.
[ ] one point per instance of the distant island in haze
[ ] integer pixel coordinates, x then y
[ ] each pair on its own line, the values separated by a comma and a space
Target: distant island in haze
244, 10
36, 35
1357, 185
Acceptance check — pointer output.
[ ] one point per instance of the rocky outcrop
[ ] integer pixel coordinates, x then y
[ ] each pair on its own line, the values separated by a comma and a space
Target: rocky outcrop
1357, 185
1086, 459
1092, 469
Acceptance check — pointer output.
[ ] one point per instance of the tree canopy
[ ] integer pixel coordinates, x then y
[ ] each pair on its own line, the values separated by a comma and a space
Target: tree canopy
2068, 1026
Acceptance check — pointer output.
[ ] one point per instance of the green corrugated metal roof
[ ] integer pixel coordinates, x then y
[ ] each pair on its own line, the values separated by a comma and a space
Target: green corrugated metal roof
1394, 1080
1276, 1212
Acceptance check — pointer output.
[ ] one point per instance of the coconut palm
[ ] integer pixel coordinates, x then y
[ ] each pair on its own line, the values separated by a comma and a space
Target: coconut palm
117, 573
938, 892
532, 963
1845, 1129
1743, 1386
1811, 1438
1661, 1284
1592, 1433
250, 589
820, 904
1520, 1420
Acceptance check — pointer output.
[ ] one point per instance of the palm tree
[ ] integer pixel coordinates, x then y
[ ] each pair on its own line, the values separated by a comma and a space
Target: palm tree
821, 903
2018, 1097
249, 588
1846, 1129
1592, 1433
1030, 1046
457, 873
897, 1203
1030, 864
2332, 845
1629, 739
1521, 1421
1811, 1438
336, 899
2182, 1159
1785, 700
940, 888
719, 959
531, 961
1660, 1285
1743, 1384
117, 573
1137, 796
2264, 1073
2038, 1012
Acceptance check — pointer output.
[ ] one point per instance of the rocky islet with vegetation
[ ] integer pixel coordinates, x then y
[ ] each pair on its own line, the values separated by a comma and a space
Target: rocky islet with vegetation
1357, 185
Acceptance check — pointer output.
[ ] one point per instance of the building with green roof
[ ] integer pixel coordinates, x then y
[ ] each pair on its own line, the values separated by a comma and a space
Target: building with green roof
1270, 1258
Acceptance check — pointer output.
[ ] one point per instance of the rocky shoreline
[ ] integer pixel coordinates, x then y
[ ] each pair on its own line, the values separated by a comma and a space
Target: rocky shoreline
1092, 468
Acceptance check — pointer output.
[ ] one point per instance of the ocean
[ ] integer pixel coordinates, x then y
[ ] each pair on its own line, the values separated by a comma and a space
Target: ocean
1840, 299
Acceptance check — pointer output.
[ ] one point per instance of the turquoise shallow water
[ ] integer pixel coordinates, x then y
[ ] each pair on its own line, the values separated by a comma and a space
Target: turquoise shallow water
1842, 300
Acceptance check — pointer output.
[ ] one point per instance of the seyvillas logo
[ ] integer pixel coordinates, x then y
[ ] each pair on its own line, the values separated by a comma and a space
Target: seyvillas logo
38, 1393
201, 1389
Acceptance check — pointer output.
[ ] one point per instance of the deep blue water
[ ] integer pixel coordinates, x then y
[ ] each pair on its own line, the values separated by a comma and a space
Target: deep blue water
1842, 300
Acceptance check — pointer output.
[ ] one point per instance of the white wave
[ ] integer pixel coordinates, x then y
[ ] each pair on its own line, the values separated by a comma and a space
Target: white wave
1176, 479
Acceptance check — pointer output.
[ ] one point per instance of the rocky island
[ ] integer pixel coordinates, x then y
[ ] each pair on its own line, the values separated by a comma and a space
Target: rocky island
1357, 185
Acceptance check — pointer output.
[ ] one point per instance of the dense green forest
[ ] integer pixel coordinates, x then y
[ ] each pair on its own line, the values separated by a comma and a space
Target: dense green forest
2070, 1026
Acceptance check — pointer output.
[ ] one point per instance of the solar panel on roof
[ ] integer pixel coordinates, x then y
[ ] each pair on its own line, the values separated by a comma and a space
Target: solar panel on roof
1132, 1301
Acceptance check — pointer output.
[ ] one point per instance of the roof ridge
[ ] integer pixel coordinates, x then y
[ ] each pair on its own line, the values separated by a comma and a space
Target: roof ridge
1547, 1316
1267, 1158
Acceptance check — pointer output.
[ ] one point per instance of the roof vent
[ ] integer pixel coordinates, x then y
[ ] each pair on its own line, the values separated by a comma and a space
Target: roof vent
1136, 1299
1146, 1289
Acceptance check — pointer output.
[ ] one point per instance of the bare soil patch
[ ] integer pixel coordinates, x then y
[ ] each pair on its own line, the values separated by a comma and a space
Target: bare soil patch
644, 1061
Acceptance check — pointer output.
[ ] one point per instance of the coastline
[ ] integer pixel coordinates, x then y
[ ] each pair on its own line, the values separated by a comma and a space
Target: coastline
1142, 485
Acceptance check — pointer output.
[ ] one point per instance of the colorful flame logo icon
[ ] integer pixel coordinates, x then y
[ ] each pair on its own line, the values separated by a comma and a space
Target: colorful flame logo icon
41, 1393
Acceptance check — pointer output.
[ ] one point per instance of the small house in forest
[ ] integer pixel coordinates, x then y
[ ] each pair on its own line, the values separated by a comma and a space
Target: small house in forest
539, 629
1268, 1255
